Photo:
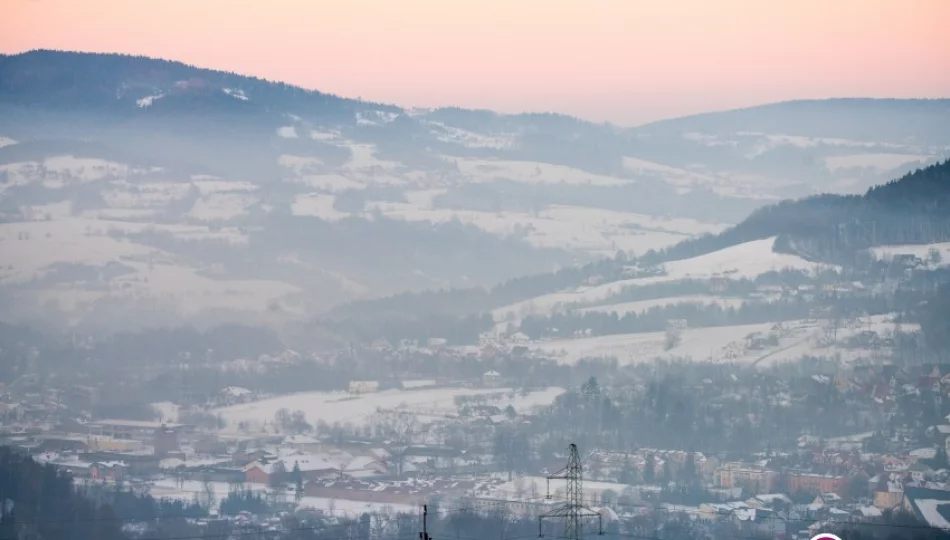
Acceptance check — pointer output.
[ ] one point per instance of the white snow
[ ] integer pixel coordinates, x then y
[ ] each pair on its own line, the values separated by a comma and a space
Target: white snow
424, 199
222, 206
921, 251
235, 93
530, 172
56, 172
353, 509
148, 100
332, 183
128, 195
210, 186
298, 163
699, 344
28, 247
471, 139
324, 135
747, 260
641, 306
728, 343
343, 407
287, 132
879, 162
59, 210
167, 410
601, 232
418, 383
363, 158
375, 117
929, 510
316, 204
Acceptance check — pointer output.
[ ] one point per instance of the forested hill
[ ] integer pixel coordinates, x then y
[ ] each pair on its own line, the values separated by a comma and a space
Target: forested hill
914, 209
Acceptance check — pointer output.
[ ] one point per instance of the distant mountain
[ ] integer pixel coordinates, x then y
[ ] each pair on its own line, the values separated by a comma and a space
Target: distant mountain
137, 191
895, 121
122, 84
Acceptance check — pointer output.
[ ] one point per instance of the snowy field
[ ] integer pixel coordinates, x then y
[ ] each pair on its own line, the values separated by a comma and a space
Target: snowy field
318, 205
699, 344
921, 251
747, 260
343, 407
729, 343
597, 231
641, 306
332, 183
222, 206
29, 250
531, 172
878, 162
189, 490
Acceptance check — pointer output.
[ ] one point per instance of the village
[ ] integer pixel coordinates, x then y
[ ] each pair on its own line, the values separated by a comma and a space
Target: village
438, 442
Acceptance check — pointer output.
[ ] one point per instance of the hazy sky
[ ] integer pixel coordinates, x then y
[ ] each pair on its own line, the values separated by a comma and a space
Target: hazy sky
626, 61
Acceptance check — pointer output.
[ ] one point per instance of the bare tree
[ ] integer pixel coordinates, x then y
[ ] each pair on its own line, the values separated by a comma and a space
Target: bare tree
207, 489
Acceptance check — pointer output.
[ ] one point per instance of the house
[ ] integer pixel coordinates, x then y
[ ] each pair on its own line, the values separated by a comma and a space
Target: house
242, 458
827, 499
365, 467
757, 480
210, 445
754, 522
303, 443
715, 512
931, 506
363, 387
519, 338
817, 483
492, 379
311, 468
107, 471
888, 495
165, 441
769, 500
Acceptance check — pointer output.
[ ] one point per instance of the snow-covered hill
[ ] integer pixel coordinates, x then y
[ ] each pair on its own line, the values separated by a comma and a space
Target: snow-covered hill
152, 191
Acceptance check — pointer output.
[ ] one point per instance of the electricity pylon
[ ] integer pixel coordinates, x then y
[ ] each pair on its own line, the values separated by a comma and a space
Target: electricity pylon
573, 509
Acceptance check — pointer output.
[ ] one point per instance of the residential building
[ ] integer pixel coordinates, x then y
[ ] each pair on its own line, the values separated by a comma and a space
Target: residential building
753, 479
817, 483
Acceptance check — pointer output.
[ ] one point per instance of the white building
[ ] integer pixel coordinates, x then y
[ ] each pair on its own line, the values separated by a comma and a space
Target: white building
492, 379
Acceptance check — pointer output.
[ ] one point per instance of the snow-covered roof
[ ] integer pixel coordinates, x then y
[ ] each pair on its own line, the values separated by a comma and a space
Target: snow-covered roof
361, 462
235, 391
930, 512
923, 453
772, 497
300, 439
110, 464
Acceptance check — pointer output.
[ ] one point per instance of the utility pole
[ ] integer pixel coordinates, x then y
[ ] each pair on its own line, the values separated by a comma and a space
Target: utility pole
573, 509
424, 535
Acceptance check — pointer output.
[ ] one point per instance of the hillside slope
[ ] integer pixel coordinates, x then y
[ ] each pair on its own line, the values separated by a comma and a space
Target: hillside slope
139, 191
914, 209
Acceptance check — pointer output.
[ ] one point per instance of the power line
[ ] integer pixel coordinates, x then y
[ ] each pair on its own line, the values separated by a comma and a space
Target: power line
572, 510
442, 510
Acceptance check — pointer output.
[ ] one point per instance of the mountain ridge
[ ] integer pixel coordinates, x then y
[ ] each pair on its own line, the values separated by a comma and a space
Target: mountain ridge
227, 196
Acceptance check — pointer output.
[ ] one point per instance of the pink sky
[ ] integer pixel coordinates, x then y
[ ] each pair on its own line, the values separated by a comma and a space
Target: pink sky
624, 61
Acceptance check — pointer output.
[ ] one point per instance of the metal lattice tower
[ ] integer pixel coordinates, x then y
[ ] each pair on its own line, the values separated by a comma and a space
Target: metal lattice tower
573, 509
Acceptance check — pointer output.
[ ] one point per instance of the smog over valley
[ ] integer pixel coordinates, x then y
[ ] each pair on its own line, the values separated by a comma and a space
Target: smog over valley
368, 270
